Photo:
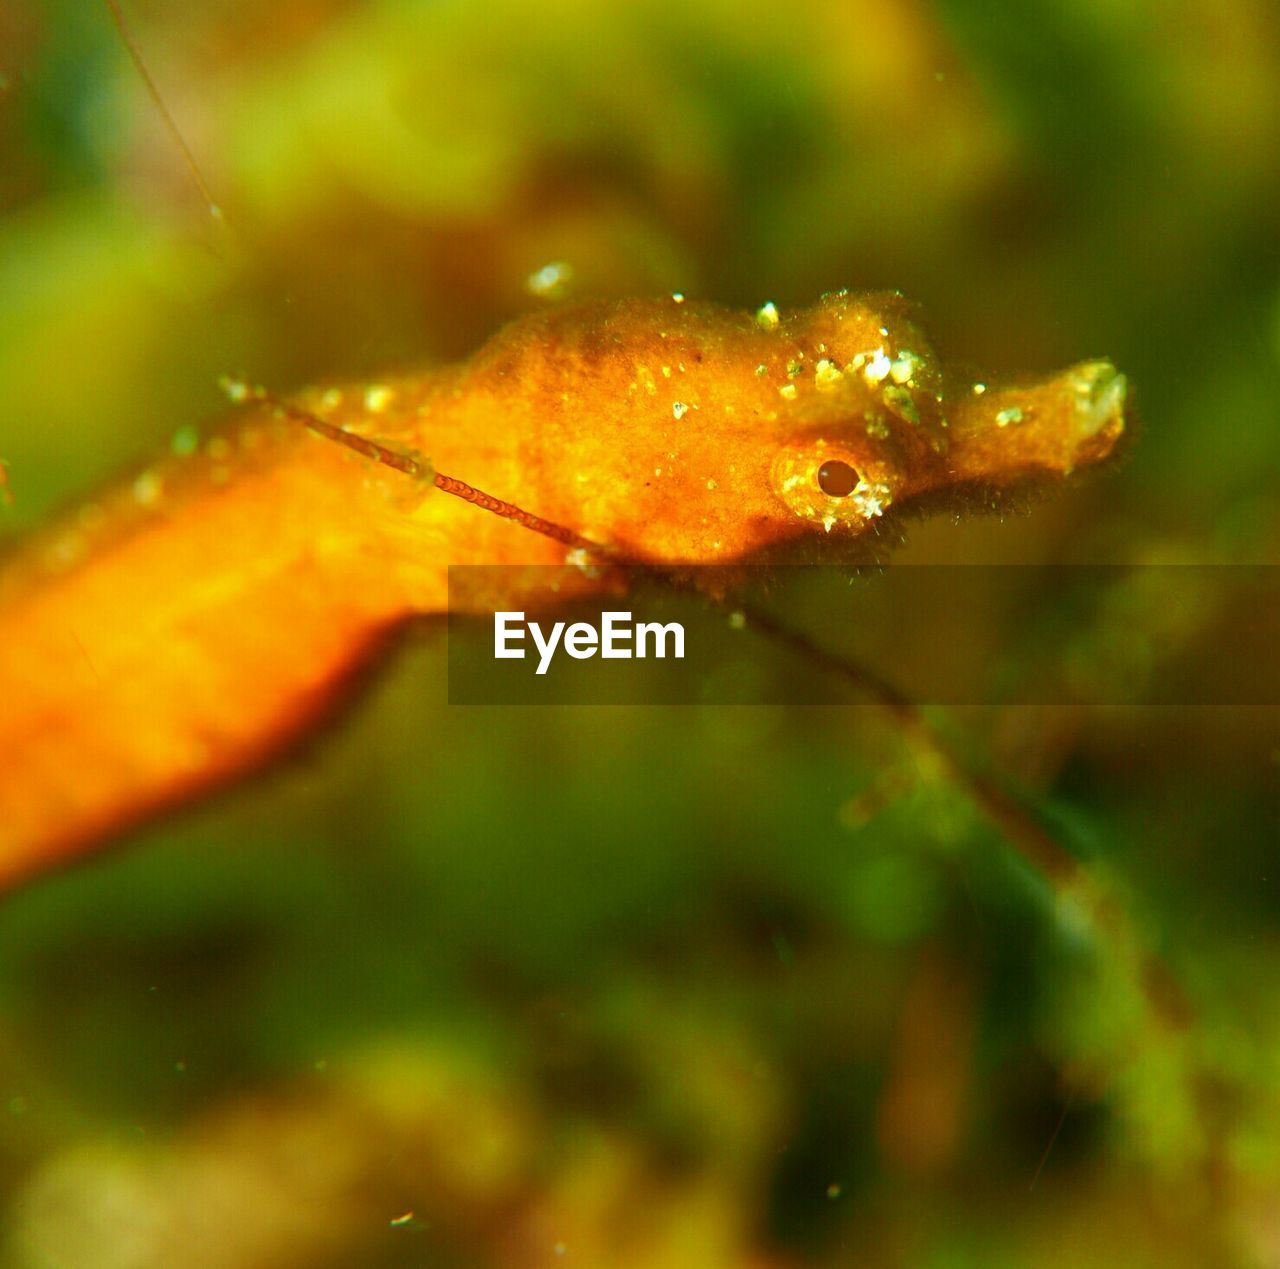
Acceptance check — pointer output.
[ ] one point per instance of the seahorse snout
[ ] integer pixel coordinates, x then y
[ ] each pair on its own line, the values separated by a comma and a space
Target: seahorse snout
1100, 398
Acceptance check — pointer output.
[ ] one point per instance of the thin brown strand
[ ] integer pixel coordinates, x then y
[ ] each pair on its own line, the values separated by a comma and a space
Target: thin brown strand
1021, 830
509, 511
383, 454
135, 54
1048, 1150
410, 466
84, 652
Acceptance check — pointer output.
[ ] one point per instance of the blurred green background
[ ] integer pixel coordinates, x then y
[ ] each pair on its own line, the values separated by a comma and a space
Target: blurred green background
664, 987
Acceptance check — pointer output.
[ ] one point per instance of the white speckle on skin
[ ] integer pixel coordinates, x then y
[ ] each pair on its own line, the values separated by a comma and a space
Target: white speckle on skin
377, 398
871, 498
827, 374
767, 316
877, 368
238, 392
680, 408
788, 390
1011, 415
904, 367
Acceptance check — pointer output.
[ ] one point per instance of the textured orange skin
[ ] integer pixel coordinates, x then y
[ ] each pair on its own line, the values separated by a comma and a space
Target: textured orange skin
184, 627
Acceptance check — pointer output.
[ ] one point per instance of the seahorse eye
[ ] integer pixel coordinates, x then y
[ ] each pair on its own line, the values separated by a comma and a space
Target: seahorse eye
837, 479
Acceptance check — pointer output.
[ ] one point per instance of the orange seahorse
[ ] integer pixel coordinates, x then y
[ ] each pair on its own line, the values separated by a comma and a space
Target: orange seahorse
186, 625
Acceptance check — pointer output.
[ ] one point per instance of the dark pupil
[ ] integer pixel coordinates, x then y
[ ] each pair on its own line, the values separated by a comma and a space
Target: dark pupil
837, 479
